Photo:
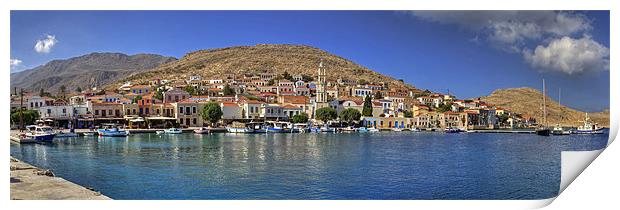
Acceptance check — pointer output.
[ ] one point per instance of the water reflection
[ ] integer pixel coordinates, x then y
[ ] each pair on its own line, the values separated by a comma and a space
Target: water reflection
312, 166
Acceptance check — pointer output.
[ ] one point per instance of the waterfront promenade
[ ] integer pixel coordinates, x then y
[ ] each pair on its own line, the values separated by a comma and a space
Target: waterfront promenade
31, 183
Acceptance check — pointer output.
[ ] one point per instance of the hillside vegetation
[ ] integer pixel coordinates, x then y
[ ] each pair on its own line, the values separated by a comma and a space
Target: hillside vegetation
529, 101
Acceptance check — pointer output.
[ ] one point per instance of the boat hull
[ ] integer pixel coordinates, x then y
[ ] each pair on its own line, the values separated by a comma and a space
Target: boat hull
42, 137
201, 131
240, 130
112, 133
543, 132
587, 132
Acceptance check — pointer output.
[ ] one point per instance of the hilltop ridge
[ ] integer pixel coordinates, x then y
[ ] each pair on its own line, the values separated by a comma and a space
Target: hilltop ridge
86, 71
529, 101
264, 58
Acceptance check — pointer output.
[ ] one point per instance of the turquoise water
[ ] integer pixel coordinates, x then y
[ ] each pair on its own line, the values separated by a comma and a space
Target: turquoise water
386, 165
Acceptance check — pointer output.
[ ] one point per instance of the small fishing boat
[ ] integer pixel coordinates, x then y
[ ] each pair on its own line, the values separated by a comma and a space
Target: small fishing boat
373, 130
588, 127
328, 129
89, 134
452, 130
362, 130
397, 129
300, 128
40, 133
237, 127
173, 131
415, 130
112, 132
160, 132
278, 127
349, 129
61, 134
558, 130
201, 130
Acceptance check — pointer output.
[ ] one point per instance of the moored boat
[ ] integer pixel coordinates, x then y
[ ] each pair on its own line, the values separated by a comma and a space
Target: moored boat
373, 130
40, 133
61, 134
238, 127
160, 132
588, 127
112, 132
558, 130
201, 130
543, 131
173, 131
452, 130
89, 134
349, 129
362, 130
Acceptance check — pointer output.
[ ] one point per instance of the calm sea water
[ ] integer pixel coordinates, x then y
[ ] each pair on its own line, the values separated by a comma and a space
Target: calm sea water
385, 165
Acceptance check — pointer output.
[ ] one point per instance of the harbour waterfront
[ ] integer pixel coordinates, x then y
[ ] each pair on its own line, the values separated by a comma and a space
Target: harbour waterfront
385, 165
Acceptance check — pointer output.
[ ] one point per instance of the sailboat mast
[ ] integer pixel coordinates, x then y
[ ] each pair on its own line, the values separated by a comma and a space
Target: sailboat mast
544, 105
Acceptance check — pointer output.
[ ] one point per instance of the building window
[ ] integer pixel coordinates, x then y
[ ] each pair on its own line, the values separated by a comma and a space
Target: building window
180, 110
96, 112
187, 110
64, 110
194, 110
194, 120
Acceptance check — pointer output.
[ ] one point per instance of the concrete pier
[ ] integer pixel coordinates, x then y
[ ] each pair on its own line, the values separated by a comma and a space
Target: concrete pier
32, 183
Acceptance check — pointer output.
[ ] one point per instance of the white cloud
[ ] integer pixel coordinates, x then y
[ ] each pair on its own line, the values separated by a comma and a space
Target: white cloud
570, 56
15, 62
45, 45
512, 28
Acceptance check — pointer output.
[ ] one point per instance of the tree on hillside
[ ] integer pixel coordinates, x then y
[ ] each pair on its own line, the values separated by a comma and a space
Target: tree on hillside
350, 115
326, 114
306, 78
367, 110
287, 76
228, 91
300, 118
444, 107
190, 89
41, 92
362, 82
212, 112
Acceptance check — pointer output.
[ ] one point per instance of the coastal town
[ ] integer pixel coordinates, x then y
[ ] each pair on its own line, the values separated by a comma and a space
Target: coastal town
262, 98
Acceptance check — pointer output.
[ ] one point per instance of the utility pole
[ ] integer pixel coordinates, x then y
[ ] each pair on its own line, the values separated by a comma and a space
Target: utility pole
21, 110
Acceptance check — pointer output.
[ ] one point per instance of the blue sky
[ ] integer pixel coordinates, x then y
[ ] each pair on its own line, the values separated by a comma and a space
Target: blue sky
470, 53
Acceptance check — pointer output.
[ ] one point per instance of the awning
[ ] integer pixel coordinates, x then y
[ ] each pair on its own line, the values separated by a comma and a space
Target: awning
161, 118
137, 120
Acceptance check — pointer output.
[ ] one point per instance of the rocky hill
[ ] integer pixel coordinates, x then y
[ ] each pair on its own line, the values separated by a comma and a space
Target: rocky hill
529, 101
270, 58
91, 70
